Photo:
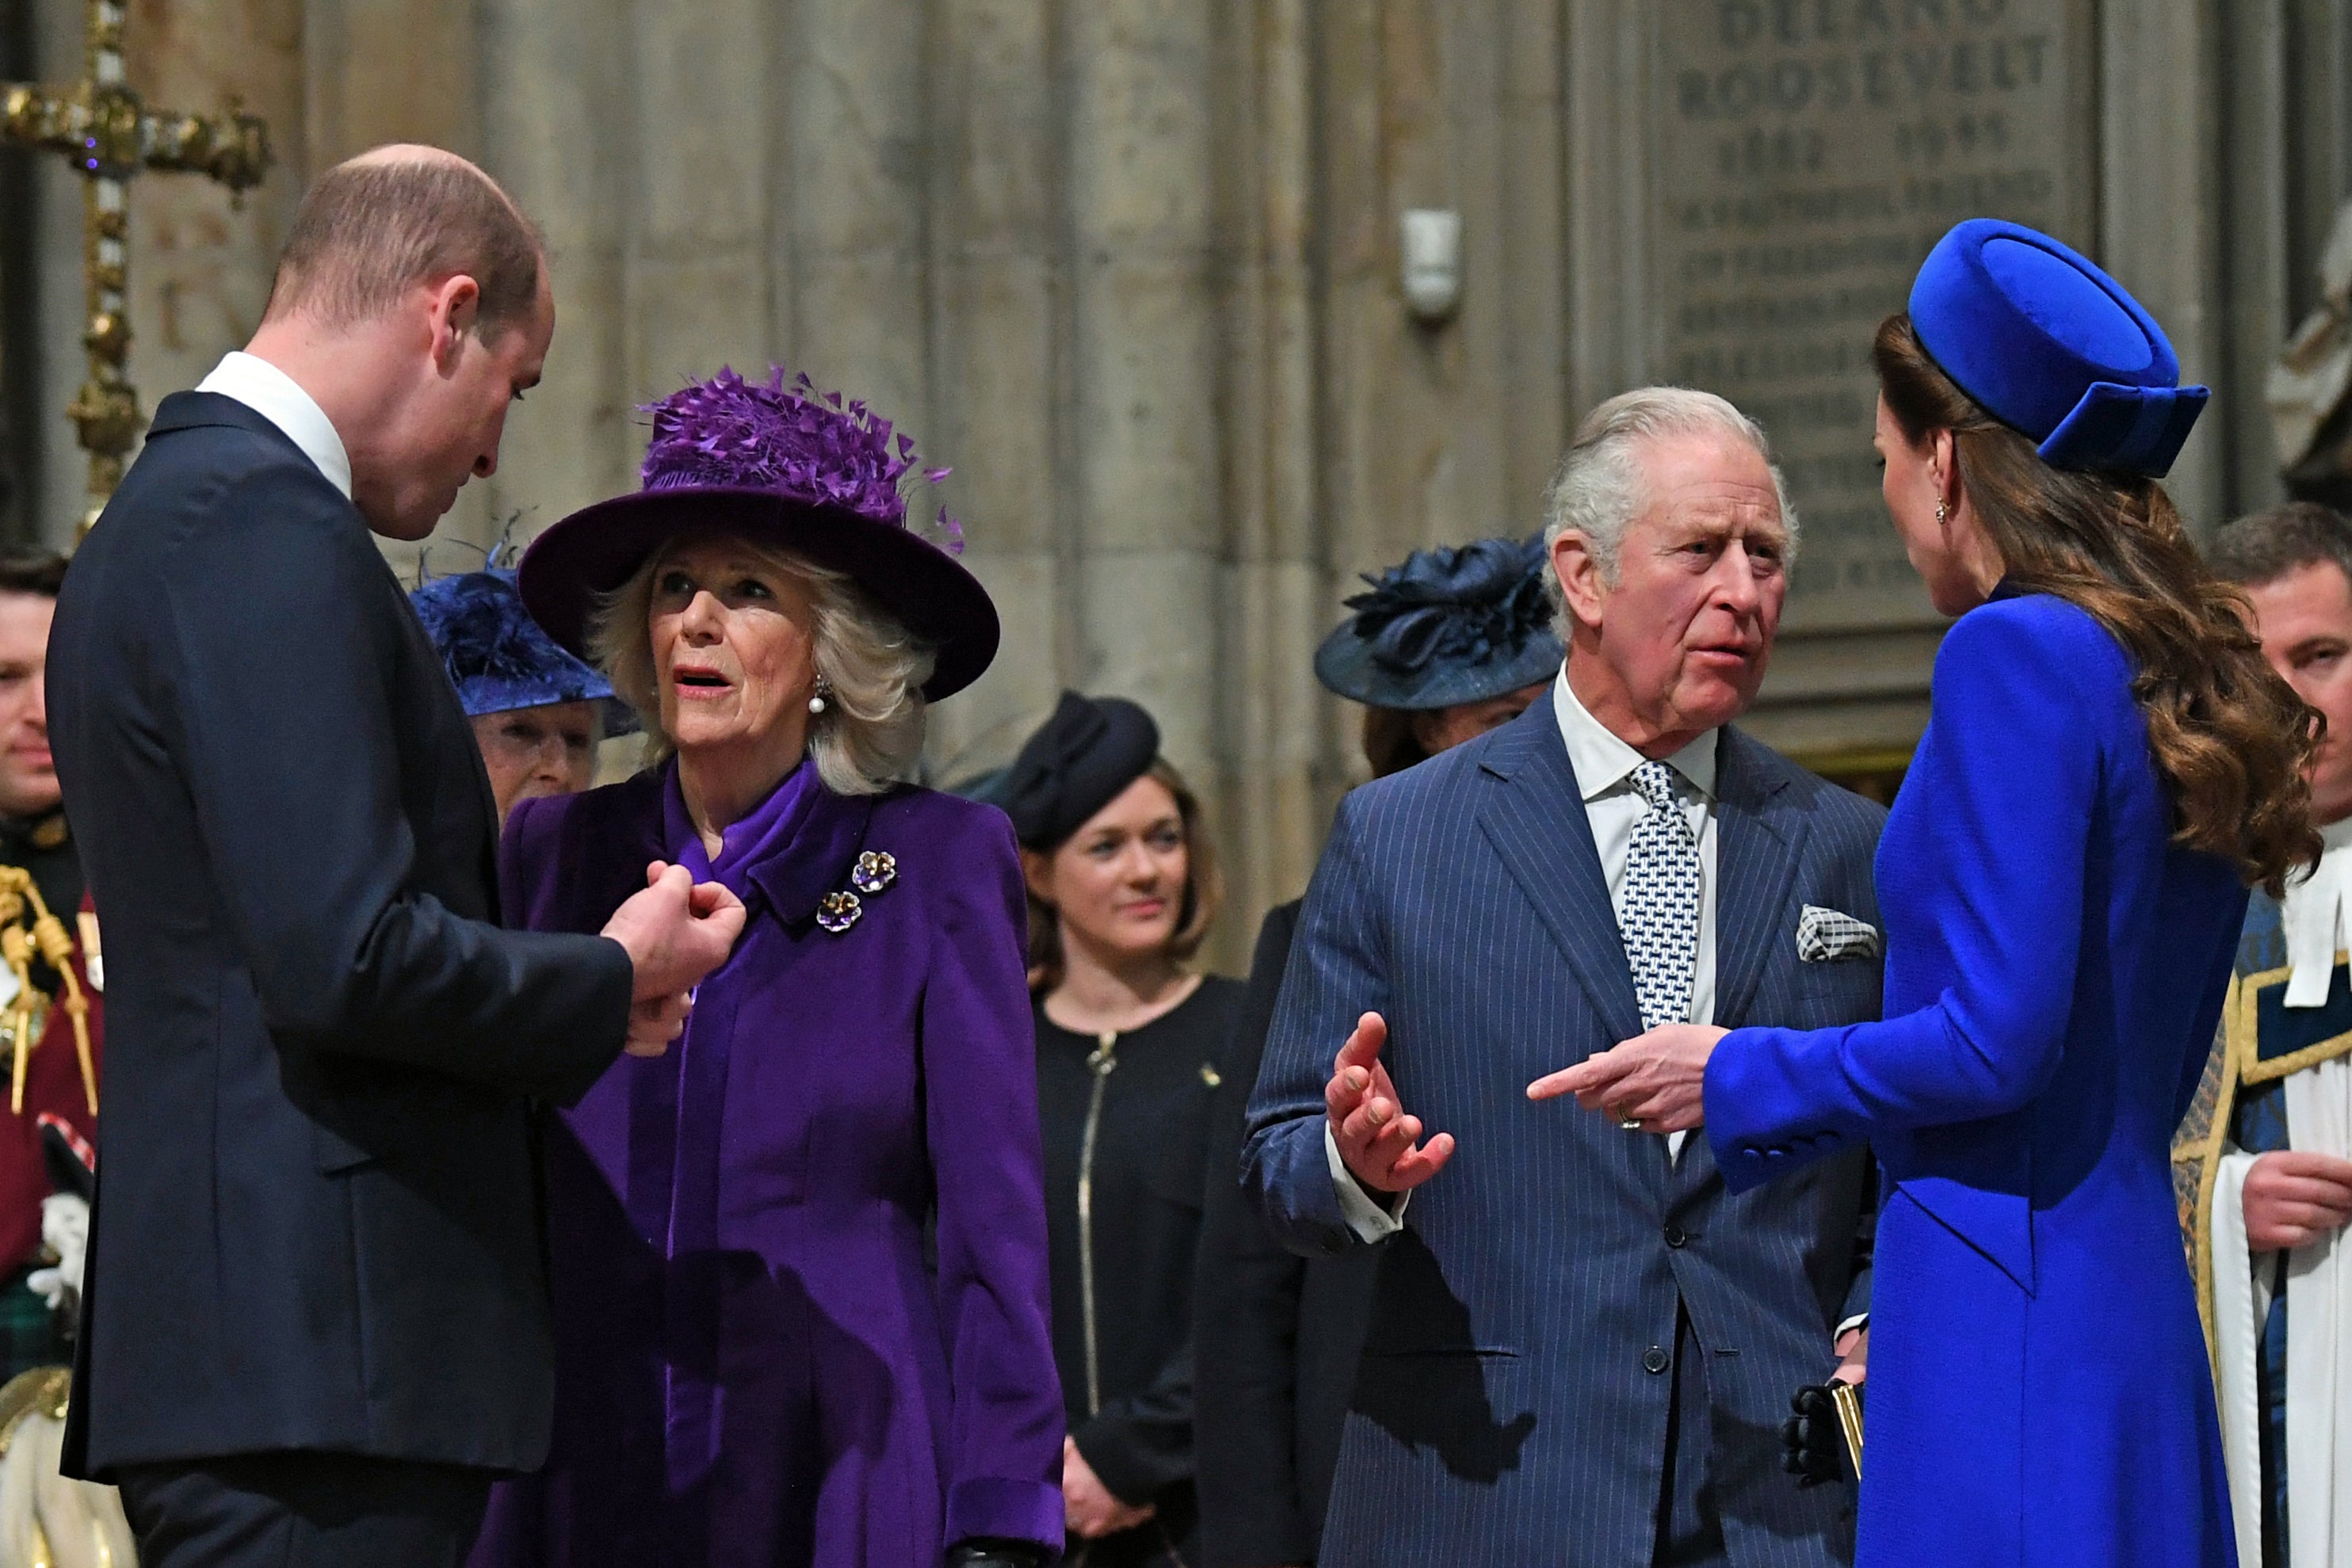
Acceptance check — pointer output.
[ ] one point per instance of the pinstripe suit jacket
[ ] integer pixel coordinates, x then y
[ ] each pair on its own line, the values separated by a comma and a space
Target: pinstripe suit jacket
1512, 1404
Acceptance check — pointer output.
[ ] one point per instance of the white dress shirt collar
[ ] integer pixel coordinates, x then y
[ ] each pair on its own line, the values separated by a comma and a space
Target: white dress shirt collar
279, 399
1604, 762
2312, 916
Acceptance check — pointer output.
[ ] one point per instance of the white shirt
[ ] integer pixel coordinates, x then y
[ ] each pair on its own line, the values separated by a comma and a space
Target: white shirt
276, 397
2313, 915
1604, 768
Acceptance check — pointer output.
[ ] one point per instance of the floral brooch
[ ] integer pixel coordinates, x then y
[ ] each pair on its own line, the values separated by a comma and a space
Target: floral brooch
874, 873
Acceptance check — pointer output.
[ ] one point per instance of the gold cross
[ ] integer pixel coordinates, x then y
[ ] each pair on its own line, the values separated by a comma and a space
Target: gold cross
100, 124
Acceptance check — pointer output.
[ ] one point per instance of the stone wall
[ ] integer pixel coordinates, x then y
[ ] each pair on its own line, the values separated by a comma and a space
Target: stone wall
1131, 267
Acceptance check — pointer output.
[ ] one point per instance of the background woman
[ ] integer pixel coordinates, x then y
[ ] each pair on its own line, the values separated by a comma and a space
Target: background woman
1122, 887
538, 711
757, 1360
2109, 761
1444, 647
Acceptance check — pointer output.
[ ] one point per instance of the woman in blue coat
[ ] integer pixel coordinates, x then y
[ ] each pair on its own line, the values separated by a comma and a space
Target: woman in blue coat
2107, 765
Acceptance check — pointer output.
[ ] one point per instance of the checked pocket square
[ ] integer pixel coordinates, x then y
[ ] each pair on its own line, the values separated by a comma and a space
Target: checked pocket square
1825, 935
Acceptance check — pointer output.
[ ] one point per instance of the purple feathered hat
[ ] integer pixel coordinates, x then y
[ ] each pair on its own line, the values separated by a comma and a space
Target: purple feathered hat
787, 467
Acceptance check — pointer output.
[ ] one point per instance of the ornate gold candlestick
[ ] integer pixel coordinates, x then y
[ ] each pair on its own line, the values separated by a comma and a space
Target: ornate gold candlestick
100, 125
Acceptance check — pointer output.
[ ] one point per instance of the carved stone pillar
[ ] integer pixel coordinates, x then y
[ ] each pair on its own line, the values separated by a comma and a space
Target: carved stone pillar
558, 130
1141, 232
1275, 760
701, 183
851, 226
378, 73
2161, 206
998, 307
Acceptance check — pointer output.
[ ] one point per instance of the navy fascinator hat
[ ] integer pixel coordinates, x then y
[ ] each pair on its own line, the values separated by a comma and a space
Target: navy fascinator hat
1077, 763
497, 657
2052, 346
1451, 625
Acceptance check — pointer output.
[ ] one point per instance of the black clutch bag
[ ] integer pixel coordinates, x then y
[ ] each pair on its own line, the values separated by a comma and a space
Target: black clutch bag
1821, 1441
984, 1551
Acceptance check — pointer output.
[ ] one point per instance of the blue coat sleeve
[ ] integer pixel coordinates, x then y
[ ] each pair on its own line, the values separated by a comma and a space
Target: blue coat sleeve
1338, 972
2010, 776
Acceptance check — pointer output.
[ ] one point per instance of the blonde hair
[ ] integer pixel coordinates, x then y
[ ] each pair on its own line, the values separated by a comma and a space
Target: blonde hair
871, 732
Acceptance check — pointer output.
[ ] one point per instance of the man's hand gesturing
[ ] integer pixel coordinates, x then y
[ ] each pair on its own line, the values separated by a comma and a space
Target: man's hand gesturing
1379, 1142
675, 932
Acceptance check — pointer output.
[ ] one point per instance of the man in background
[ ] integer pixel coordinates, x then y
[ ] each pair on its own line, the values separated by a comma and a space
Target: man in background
2265, 1159
36, 838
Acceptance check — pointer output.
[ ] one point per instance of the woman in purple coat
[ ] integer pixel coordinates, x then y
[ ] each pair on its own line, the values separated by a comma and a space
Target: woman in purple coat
761, 1358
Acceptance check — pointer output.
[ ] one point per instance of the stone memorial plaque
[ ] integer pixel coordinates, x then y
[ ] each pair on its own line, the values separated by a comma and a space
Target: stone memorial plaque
1808, 153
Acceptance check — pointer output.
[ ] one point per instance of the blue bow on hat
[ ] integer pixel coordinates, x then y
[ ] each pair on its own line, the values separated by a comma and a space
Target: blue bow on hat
1450, 625
2052, 346
497, 657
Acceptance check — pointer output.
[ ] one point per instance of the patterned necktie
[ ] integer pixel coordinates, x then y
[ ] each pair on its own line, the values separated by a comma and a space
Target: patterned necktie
1658, 915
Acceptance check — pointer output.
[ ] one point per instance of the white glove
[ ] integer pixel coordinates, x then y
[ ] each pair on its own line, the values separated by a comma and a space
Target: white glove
64, 1230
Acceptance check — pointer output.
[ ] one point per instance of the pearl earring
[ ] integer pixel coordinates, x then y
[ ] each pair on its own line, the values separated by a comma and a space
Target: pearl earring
1943, 514
817, 702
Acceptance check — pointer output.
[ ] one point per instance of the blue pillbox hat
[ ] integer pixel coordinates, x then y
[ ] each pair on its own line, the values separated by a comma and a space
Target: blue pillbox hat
2052, 346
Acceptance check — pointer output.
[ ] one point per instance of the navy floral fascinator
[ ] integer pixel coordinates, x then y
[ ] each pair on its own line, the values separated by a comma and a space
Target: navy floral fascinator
1451, 625
497, 655
785, 465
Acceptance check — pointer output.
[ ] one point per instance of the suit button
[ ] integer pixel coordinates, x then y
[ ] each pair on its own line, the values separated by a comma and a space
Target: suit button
1674, 1237
1653, 1360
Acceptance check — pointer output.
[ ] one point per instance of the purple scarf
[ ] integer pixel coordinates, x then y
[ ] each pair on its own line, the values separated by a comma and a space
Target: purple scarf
765, 831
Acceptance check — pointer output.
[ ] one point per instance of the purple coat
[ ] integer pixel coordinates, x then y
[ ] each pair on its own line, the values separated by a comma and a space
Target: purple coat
756, 1363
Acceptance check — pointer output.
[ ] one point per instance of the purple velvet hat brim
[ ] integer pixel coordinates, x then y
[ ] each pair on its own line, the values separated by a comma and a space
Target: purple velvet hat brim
596, 550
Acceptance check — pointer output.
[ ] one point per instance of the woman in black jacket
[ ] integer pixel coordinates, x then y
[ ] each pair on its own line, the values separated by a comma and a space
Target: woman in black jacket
1123, 887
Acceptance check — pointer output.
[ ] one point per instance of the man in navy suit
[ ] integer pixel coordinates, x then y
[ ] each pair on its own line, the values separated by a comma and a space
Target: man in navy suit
1582, 1346
315, 1317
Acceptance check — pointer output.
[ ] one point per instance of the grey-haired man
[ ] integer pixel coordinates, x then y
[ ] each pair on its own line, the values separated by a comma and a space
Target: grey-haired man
1581, 1345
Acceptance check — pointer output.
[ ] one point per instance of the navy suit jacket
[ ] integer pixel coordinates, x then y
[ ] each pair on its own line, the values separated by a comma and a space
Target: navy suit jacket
1513, 1399
318, 1223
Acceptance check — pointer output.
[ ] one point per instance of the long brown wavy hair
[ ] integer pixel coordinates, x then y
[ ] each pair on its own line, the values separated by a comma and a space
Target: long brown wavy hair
2231, 740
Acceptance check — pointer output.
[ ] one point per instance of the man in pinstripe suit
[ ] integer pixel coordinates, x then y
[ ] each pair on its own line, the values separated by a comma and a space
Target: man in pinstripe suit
1582, 1346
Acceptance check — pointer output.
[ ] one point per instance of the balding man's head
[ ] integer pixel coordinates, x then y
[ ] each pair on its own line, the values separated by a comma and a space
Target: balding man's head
372, 228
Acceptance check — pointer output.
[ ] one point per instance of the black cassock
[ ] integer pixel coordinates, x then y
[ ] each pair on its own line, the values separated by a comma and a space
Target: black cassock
1276, 1336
